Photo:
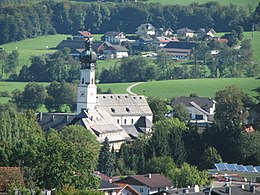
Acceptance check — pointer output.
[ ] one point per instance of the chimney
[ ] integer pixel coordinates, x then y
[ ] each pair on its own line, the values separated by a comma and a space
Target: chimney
53, 117
196, 188
149, 175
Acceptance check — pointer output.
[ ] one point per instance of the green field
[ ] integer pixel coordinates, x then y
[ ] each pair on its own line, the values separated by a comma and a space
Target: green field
255, 40
252, 3
202, 87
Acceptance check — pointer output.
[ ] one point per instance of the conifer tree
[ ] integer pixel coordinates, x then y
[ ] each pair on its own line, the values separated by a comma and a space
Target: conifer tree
105, 162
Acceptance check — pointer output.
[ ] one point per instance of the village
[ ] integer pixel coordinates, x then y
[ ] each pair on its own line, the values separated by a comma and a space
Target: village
88, 141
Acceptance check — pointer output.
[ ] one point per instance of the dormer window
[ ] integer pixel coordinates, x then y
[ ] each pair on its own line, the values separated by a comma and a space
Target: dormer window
127, 110
140, 98
104, 97
113, 109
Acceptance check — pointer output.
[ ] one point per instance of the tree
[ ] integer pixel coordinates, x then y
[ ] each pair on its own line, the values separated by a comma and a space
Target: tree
209, 157
12, 62
167, 140
105, 162
68, 93
158, 107
32, 97
181, 112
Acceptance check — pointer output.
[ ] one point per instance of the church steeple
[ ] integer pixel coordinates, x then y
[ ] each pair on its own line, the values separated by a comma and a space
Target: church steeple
87, 89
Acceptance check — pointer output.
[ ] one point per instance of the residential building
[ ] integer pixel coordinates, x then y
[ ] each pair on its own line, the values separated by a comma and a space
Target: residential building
164, 32
109, 188
115, 37
115, 52
179, 49
145, 30
82, 35
185, 32
147, 184
201, 32
201, 109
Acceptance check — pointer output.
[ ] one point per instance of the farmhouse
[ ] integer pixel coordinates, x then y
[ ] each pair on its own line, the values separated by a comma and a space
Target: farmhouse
145, 30
115, 51
201, 32
119, 117
179, 50
185, 32
115, 37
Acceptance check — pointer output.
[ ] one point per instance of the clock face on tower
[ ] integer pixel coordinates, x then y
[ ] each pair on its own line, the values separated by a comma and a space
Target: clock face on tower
82, 94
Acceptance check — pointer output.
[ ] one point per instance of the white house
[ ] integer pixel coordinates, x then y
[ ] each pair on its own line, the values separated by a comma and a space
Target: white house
145, 30
115, 51
201, 109
147, 184
115, 37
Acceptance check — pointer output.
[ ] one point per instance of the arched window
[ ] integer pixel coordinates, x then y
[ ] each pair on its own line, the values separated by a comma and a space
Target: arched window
125, 121
132, 120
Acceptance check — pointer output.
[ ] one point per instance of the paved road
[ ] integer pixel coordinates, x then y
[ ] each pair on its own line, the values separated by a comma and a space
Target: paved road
130, 87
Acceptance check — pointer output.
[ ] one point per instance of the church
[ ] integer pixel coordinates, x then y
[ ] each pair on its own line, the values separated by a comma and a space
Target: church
119, 117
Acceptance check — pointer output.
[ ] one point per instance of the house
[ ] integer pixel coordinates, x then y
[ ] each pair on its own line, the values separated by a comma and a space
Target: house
185, 32
201, 32
145, 30
82, 35
201, 109
73, 45
115, 37
99, 47
161, 41
9, 177
147, 184
179, 49
163, 32
115, 51
109, 188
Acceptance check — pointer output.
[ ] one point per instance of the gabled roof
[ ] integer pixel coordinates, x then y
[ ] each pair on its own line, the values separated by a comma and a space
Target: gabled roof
180, 45
153, 181
10, 176
105, 185
113, 33
117, 48
128, 187
146, 26
85, 33
186, 30
206, 30
72, 44
201, 102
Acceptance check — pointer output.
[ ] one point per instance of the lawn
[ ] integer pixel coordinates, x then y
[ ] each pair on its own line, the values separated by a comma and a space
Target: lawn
255, 40
202, 87
117, 88
34, 46
252, 3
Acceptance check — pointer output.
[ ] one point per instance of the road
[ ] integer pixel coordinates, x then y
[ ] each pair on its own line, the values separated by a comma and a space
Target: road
130, 87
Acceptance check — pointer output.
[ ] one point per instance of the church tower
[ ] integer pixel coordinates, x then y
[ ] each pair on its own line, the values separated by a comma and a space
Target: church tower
87, 90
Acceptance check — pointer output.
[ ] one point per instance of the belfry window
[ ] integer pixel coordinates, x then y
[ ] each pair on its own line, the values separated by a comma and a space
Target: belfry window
82, 81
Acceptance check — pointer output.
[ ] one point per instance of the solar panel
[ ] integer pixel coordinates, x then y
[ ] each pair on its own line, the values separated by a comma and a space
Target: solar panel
250, 168
231, 167
221, 166
257, 168
240, 168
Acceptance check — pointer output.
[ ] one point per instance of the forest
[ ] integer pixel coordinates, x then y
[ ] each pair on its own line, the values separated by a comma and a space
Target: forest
24, 20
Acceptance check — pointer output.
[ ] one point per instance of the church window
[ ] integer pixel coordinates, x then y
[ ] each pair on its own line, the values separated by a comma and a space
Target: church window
92, 81
127, 109
82, 81
132, 120
126, 96
113, 109
125, 121
134, 97
111, 97
118, 121
140, 98
104, 97
118, 96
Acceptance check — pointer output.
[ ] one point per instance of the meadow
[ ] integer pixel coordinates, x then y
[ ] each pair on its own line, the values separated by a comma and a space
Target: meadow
252, 3
202, 87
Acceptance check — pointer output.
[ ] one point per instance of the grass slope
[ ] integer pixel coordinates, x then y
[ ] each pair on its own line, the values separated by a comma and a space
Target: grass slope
202, 87
252, 3
255, 40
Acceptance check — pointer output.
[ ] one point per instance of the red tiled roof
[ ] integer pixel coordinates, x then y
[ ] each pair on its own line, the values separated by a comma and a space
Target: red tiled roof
9, 176
85, 33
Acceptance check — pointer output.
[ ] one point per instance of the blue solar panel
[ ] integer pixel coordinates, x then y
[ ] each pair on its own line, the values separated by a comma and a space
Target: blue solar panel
250, 168
257, 168
221, 166
231, 167
240, 168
